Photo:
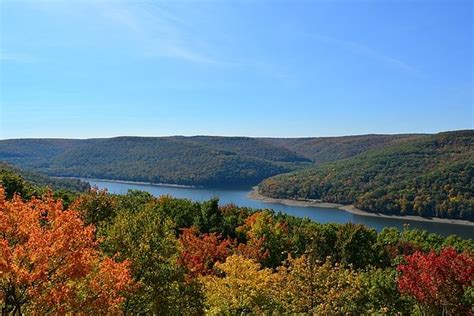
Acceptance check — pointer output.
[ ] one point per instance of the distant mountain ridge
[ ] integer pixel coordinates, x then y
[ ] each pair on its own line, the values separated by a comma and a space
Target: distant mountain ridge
196, 160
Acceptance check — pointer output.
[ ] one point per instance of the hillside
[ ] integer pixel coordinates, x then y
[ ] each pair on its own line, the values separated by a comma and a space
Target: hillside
427, 176
327, 149
182, 160
14, 175
198, 160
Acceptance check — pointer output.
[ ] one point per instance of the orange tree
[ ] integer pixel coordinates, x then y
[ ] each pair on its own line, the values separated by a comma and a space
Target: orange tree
200, 252
50, 263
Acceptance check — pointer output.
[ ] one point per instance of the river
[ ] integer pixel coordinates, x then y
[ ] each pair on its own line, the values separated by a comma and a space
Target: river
318, 214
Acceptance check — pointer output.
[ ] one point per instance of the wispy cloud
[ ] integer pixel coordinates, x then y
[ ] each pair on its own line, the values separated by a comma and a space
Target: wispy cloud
161, 33
361, 49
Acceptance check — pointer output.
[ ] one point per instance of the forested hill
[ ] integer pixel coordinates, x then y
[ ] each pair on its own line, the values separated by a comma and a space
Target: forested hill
26, 183
181, 160
427, 176
327, 149
198, 160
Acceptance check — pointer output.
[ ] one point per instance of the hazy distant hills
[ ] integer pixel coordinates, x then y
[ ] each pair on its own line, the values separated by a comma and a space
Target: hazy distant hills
198, 160
428, 175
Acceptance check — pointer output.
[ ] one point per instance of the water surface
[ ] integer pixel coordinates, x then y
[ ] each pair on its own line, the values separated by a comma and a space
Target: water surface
318, 214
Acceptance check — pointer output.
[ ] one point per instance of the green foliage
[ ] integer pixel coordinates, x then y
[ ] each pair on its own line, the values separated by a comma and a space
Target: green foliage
184, 212
426, 176
199, 160
356, 246
209, 219
148, 240
327, 149
96, 207
14, 183
28, 184
381, 295
237, 260
223, 161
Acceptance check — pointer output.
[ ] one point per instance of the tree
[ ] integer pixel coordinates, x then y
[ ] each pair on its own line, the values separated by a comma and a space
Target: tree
210, 219
95, 206
310, 287
200, 253
182, 211
381, 295
50, 262
147, 238
356, 245
267, 238
243, 287
13, 183
438, 282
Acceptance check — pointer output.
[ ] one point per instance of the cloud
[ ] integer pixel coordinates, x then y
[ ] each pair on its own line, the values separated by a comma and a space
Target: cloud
161, 33
361, 49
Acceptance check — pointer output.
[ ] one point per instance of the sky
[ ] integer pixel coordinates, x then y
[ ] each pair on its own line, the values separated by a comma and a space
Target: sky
83, 69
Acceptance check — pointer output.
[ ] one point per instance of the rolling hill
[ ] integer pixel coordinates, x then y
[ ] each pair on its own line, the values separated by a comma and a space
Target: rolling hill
197, 160
426, 175
206, 161
326, 149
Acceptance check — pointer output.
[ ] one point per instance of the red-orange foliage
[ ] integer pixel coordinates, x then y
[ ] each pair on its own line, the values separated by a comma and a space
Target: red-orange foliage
201, 252
49, 261
438, 282
254, 249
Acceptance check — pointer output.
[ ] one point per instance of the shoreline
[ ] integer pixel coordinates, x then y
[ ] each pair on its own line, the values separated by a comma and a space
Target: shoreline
134, 182
353, 210
254, 195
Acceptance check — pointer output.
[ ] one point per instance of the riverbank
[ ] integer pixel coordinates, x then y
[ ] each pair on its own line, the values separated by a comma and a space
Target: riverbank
171, 185
254, 195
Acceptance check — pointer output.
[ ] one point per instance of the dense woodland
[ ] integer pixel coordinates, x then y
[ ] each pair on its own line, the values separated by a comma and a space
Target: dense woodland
428, 176
32, 183
327, 149
199, 160
177, 160
140, 254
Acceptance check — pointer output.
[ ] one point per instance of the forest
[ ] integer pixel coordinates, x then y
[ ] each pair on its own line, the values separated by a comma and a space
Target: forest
99, 253
432, 176
38, 181
198, 160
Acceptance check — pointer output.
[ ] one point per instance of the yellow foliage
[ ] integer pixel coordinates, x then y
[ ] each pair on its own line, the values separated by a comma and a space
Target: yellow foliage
301, 286
244, 288
311, 287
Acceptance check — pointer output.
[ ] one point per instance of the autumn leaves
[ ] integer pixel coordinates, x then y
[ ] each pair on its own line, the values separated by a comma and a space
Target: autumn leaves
50, 262
135, 253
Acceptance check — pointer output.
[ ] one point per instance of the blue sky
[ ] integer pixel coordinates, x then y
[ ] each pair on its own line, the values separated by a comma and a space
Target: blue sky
81, 69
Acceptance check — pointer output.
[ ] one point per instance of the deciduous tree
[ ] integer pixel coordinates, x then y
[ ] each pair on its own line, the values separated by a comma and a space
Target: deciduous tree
312, 287
243, 287
50, 262
200, 252
438, 282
